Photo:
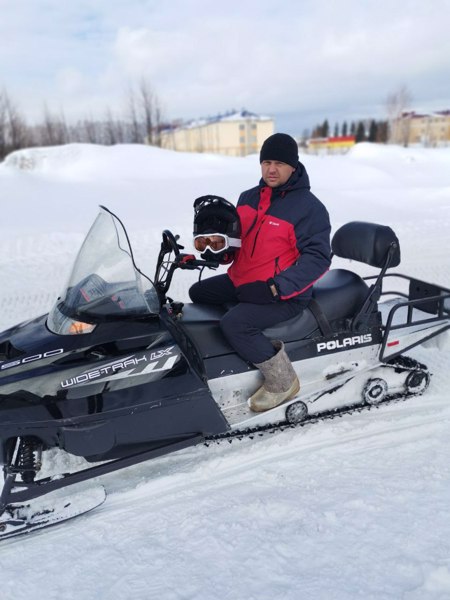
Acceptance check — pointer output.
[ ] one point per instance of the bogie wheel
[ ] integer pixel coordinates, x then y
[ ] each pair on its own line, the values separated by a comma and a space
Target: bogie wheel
417, 381
296, 412
375, 391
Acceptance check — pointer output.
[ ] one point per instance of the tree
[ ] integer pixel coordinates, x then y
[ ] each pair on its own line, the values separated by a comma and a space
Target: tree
373, 129
113, 130
3, 126
134, 131
397, 105
152, 116
54, 130
360, 132
336, 130
382, 132
14, 132
317, 131
344, 128
141, 123
144, 115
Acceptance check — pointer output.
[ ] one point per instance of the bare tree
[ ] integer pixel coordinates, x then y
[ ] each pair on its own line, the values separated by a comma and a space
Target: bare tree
399, 119
90, 131
3, 126
148, 109
14, 132
158, 123
54, 130
142, 123
113, 130
134, 126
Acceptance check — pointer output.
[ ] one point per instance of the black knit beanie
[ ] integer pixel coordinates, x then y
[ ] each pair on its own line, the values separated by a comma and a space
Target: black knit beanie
282, 147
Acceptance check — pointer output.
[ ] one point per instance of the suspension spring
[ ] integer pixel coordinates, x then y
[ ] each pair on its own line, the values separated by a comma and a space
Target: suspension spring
29, 459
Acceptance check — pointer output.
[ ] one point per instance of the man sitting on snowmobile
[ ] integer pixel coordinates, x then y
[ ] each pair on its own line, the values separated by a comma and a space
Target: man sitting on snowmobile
285, 248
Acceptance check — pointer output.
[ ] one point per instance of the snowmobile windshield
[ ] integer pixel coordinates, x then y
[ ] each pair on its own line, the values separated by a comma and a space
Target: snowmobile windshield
105, 284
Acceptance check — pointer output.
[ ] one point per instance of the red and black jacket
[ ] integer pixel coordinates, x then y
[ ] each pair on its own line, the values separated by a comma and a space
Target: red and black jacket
285, 236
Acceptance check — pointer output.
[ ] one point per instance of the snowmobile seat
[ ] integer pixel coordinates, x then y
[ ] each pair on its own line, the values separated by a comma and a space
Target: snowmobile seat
339, 293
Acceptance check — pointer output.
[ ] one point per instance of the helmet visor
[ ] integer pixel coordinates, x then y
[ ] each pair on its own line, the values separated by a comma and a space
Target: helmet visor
216, 242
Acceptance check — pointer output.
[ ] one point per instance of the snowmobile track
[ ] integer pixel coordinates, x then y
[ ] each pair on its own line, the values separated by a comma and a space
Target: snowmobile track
262, 430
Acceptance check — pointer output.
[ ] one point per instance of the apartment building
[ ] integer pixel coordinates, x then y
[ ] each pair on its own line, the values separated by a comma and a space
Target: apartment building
234, 134
425, 129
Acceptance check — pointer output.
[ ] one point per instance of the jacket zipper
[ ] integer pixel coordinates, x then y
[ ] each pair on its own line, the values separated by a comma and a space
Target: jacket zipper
277, 268
256, 237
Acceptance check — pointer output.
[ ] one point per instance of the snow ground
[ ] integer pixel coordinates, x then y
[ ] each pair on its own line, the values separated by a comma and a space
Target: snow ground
357, 507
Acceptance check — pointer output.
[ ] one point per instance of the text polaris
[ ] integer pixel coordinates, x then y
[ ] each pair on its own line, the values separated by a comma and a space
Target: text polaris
355, 340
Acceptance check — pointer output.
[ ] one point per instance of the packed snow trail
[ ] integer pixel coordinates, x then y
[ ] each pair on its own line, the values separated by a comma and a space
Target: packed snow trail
319, 505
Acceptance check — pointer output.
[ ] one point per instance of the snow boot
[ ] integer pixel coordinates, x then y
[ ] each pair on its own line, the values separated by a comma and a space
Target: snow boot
280, 381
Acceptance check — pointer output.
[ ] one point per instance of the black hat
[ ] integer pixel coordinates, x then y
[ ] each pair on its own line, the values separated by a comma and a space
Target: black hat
282, 147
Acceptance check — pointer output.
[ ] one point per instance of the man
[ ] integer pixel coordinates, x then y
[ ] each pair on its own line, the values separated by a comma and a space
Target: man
285, 248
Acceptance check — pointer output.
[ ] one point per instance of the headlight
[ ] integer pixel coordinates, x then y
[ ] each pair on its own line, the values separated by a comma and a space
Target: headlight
62, 325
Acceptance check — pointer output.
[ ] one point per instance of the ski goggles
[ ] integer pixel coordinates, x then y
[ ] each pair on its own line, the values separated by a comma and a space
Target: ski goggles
216, 242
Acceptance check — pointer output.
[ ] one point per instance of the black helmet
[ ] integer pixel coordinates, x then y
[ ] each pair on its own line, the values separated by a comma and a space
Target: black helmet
217, 229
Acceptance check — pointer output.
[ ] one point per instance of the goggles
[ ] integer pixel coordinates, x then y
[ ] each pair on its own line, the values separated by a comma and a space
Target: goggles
216, 242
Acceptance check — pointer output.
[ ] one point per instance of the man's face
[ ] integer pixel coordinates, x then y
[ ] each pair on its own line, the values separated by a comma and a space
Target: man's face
275, 173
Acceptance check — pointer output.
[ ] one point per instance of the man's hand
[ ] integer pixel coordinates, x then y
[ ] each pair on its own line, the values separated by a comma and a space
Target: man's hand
258, 292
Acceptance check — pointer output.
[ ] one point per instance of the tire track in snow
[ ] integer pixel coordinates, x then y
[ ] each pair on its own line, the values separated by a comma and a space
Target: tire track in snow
214, 467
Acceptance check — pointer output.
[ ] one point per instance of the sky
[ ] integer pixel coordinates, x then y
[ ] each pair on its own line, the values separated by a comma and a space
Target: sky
300, 62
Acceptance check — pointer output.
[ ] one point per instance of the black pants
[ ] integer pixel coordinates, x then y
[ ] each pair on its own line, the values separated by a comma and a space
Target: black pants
242, 325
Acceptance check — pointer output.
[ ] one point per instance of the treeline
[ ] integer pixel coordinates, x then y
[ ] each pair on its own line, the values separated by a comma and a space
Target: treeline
368, 130
140, 122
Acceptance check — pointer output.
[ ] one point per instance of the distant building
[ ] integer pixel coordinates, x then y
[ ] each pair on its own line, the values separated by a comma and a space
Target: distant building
234, 134
330, 145
421, 128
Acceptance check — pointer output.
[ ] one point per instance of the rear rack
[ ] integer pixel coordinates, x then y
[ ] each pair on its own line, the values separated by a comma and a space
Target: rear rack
426, 297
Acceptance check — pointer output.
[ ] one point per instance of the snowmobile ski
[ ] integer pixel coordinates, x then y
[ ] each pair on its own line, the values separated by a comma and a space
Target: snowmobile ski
26, 518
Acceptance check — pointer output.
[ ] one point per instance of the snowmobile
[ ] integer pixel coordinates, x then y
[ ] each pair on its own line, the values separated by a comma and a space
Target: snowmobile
118, 372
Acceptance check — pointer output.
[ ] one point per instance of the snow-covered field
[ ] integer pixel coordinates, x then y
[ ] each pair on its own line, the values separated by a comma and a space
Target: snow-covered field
354, 508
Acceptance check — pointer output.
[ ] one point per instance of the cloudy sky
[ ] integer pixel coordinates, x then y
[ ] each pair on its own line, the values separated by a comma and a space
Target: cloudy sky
299, 60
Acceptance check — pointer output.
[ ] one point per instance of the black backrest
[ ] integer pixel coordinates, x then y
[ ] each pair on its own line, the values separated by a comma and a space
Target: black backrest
368, 243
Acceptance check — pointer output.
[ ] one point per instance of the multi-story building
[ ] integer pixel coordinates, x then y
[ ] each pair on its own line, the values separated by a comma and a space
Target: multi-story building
425, 129
233, 134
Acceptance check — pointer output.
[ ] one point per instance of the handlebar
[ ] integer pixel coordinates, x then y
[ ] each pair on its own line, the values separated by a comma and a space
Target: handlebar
188, 261
165, 268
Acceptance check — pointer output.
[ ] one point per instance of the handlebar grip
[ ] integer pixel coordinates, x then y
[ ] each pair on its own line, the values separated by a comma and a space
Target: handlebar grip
208, 263
192, 263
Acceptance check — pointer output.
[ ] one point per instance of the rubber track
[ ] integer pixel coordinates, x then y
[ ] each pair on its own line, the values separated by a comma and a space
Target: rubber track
403, 363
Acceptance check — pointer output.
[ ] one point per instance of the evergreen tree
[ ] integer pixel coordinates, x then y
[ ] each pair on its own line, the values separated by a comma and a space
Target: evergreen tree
373, 131
336, 130
344, 128
325, 128
360, 132
352, 128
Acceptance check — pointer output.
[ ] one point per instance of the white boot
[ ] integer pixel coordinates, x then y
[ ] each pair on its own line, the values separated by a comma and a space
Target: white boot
280, 381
